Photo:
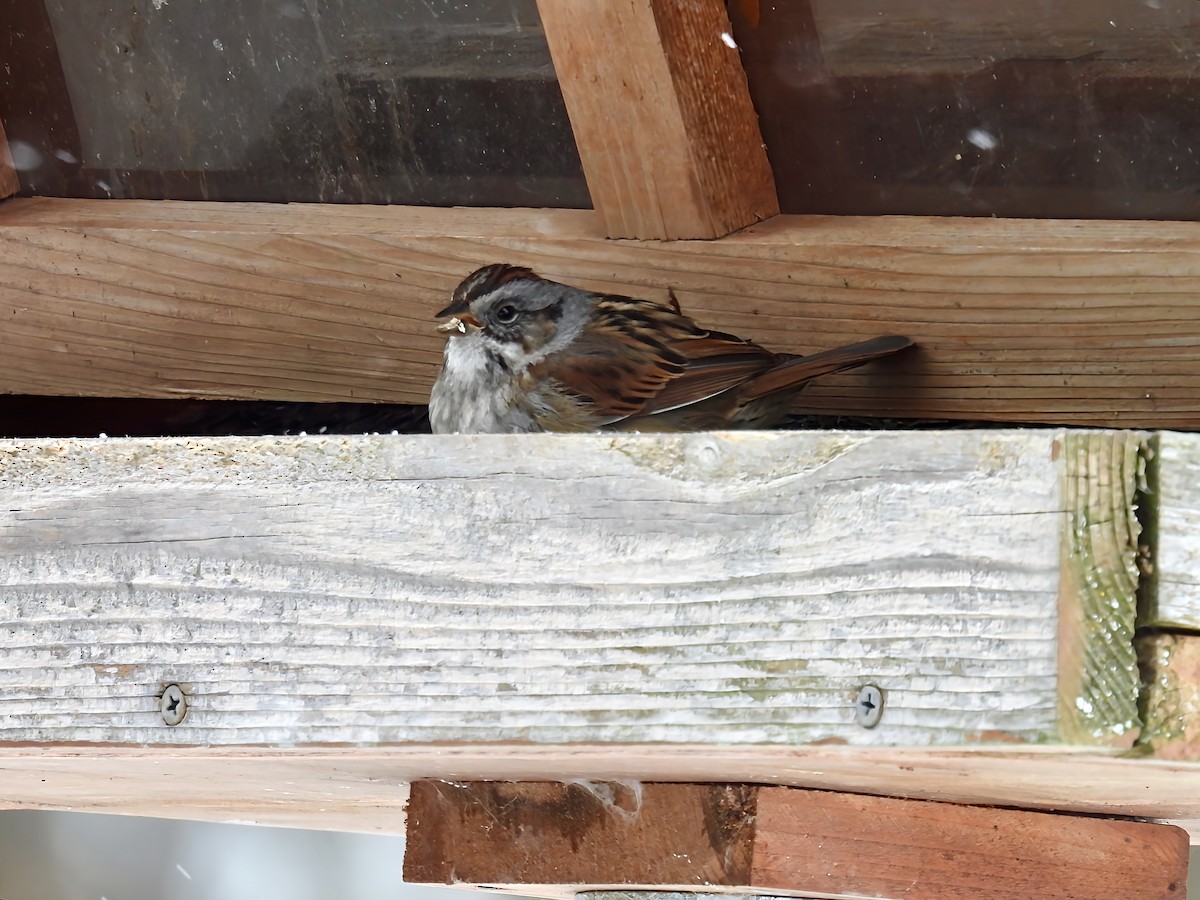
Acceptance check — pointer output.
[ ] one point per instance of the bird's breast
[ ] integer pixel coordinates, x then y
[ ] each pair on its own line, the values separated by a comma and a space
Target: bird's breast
476, 391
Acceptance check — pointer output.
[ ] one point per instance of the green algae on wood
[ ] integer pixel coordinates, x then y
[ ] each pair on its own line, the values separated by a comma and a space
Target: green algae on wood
1098, 691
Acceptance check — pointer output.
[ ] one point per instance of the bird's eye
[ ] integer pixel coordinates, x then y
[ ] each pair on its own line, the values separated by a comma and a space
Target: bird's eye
507, 314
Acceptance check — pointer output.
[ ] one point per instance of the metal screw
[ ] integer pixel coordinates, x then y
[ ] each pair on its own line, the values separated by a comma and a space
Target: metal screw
868, 708
173, 704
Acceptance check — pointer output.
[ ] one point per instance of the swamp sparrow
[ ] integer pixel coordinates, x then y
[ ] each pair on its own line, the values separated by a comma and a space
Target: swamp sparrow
528, 354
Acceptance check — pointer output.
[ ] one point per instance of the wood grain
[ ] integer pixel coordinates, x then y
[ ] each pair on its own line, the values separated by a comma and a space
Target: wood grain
662, 116
579, 832
1099, 588
549, 588
1052, 321
1171, 666
843, 844
365, 788
779, 839
1174, 590
9, 183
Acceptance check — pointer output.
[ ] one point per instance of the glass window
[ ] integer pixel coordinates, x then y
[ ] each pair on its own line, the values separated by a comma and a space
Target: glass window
1043, 108
356, 101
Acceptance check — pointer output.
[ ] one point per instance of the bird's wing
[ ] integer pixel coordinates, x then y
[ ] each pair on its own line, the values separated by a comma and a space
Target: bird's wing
716, 362
639, 358
619, 363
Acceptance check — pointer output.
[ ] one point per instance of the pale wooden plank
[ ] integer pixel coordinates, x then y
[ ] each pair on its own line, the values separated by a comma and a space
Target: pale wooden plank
1068, 322
661, 112
547, 588
9, 183
778, 839
1175, 587
1171, 663
364, 789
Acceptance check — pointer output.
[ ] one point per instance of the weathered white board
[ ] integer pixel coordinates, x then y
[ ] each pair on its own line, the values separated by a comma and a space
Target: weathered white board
714, 588
1177, 550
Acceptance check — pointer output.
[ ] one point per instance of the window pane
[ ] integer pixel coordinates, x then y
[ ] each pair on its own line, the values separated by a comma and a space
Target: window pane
1057, 108
362, 101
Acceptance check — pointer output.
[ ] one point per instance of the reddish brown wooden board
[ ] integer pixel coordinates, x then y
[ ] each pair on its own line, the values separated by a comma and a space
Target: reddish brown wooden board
779, 839
553, 833
886, 847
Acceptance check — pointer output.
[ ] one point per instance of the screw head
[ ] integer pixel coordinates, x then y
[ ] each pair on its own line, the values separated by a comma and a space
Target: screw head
868, 708
173, 704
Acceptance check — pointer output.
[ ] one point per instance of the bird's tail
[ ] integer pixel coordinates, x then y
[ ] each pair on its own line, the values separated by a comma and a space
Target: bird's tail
796, 372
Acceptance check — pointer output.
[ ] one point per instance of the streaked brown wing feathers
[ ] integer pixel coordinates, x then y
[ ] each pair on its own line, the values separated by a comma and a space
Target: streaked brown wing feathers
716, 363
639, 358
620, 363
616, 384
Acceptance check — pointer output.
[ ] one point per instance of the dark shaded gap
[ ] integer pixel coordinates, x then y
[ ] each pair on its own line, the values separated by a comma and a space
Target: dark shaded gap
25, 416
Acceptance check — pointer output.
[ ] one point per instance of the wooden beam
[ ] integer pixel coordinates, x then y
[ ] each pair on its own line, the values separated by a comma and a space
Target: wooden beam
777, 839
9, 183
581, 833
662, 116
1099, 585
1174, 590
1069, 322
364, 789
575, 588
1171, 663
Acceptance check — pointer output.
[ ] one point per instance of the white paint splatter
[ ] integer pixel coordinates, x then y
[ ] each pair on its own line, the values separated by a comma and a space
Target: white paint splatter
66, 156
984, 140
158, 4
728, 39
217, 43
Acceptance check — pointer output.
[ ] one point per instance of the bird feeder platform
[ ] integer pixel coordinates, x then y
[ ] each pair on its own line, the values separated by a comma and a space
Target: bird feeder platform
911, 663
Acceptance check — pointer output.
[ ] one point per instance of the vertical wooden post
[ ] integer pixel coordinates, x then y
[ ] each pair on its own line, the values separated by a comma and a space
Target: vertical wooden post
1098, 674
9, 183
662, 115
1171, 663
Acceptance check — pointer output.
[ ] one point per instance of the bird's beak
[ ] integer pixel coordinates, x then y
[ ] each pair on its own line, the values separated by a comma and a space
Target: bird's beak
457, 308
460, 317
458, 323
